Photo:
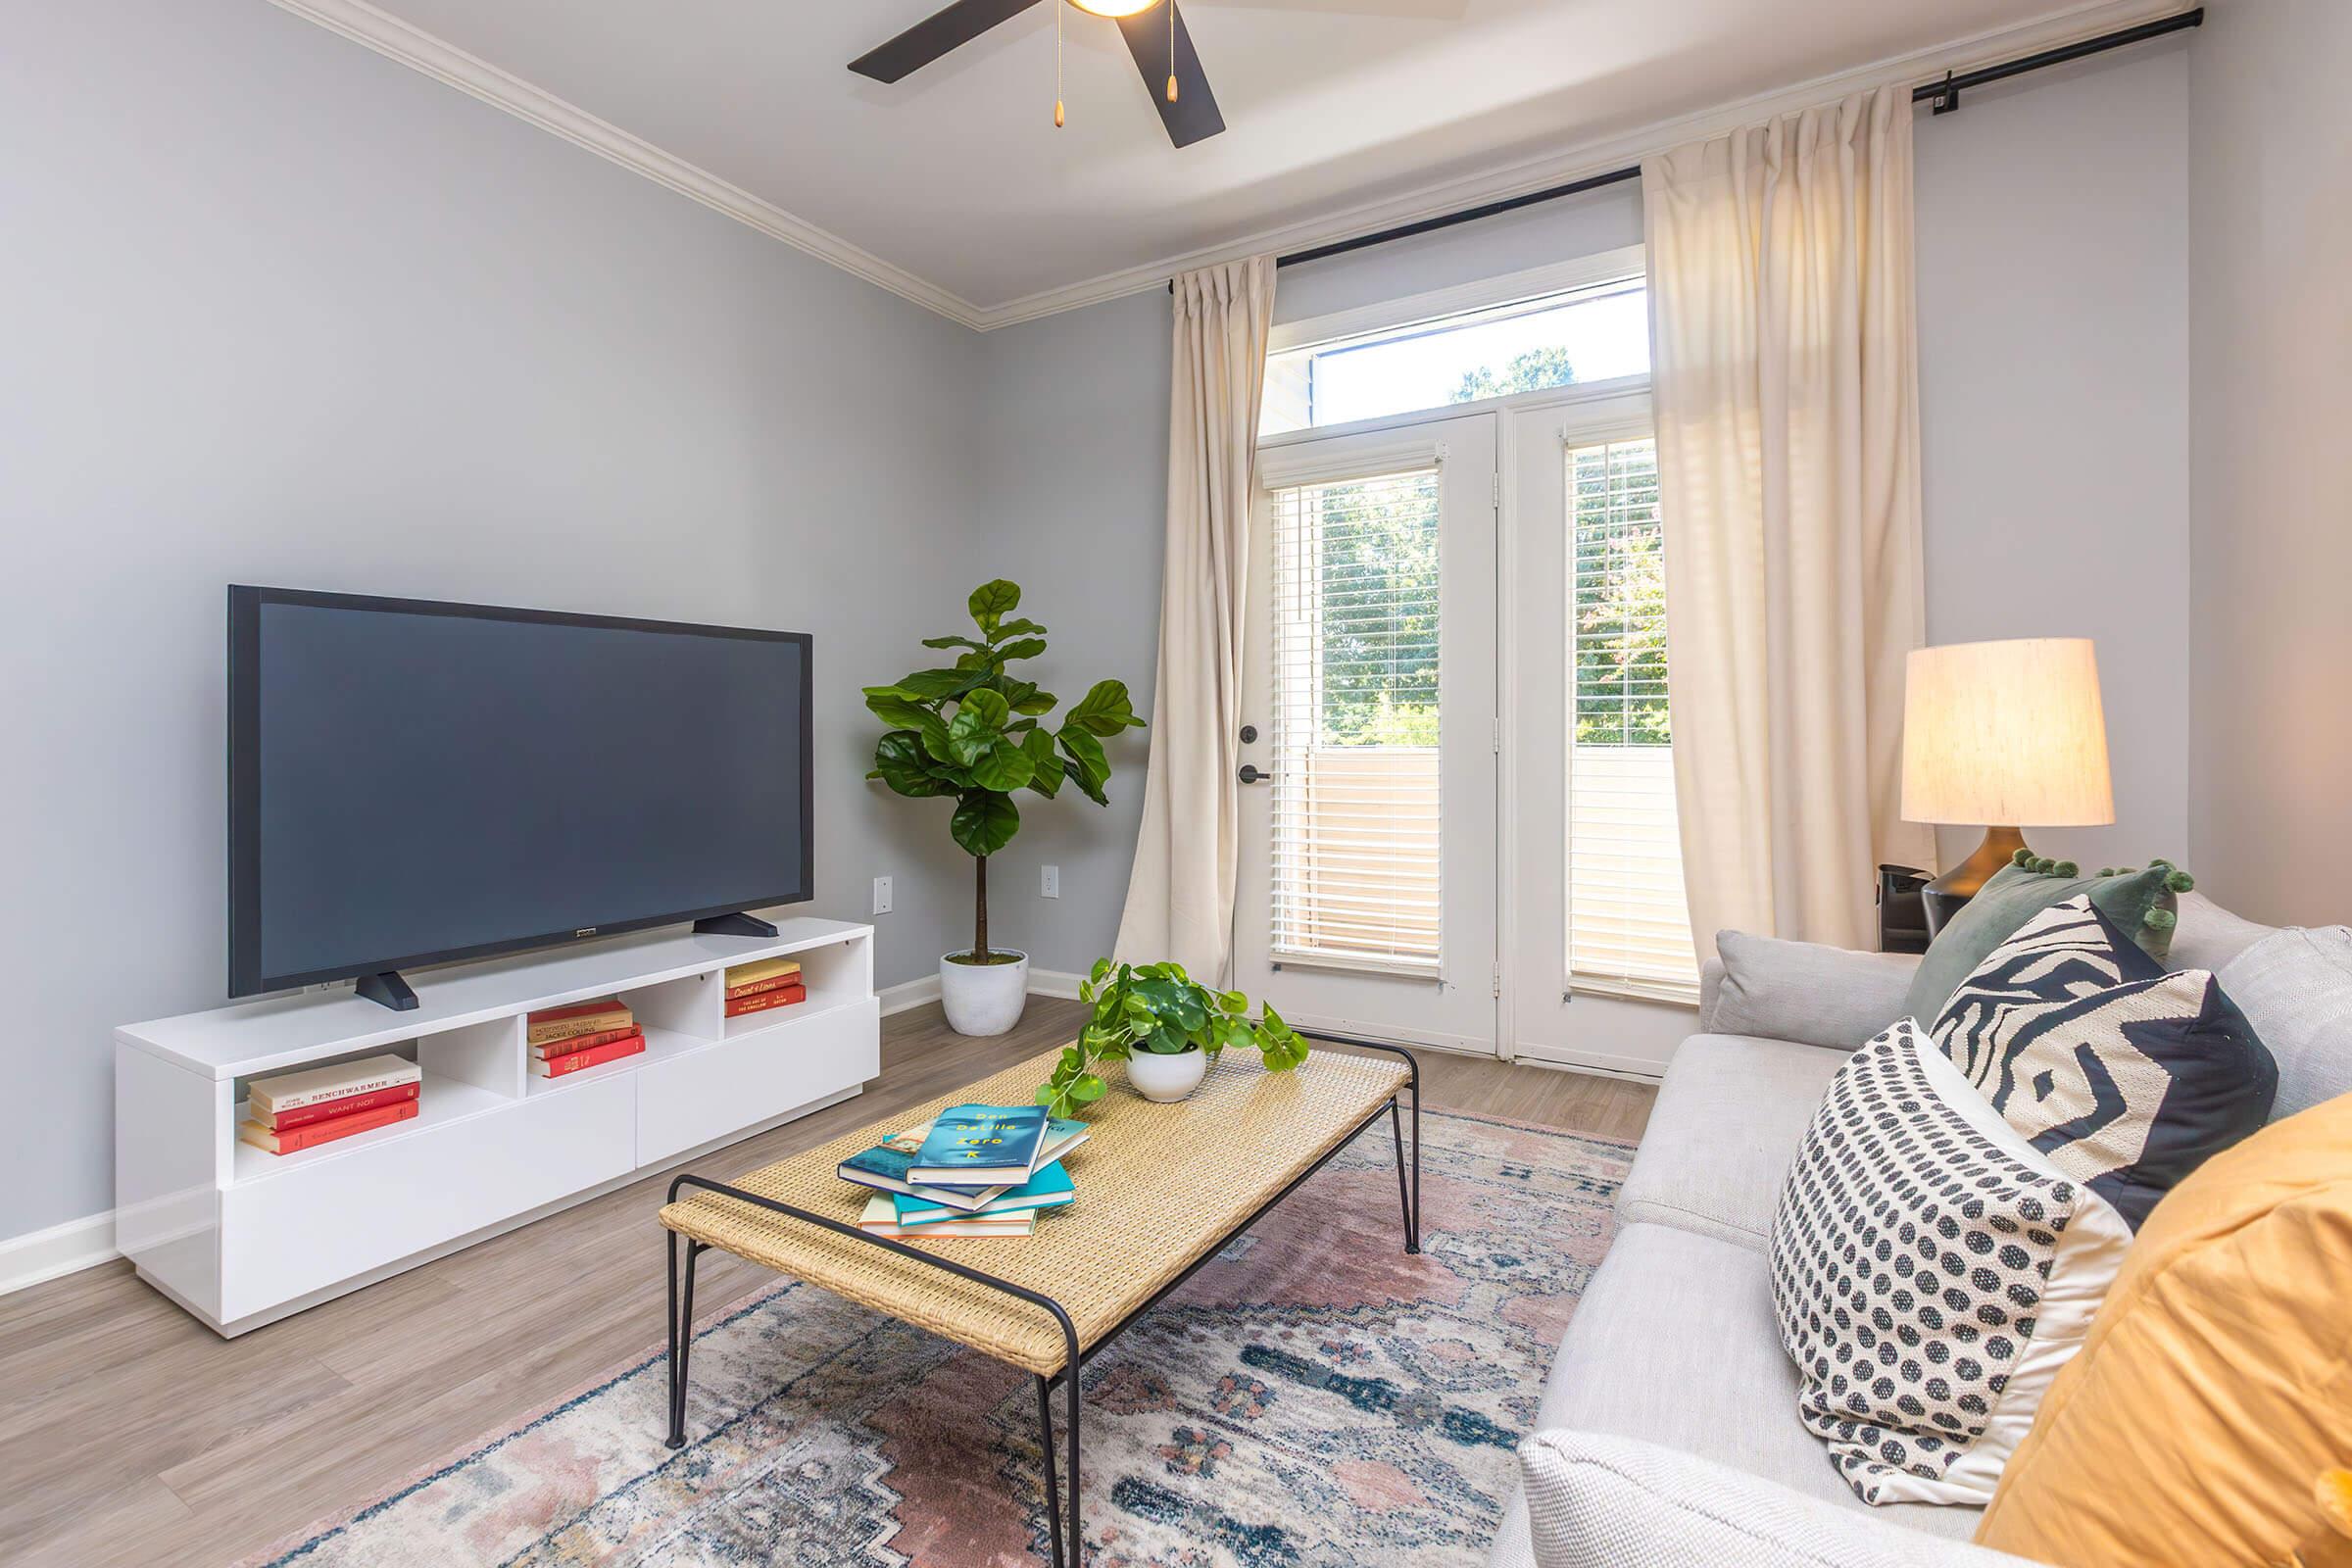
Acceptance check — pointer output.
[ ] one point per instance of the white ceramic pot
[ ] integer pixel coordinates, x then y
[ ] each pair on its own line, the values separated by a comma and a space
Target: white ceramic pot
1166, 1079
984, 998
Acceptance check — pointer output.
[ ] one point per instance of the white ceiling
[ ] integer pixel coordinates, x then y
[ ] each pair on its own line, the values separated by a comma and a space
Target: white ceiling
957, 177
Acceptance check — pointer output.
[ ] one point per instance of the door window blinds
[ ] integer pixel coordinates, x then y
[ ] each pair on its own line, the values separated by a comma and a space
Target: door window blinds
1629, 926
1356, 823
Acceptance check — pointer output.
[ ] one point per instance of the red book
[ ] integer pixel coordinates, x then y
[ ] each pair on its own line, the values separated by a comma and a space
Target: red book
594, 1057
602, 1036
757, 987
325, 1132
783, 997
285, 1122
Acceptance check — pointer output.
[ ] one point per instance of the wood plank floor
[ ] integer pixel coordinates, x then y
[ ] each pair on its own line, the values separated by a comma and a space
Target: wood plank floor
132, 1434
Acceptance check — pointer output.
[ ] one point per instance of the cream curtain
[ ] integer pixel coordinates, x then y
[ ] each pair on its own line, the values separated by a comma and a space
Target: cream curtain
1786, 384
1180, 896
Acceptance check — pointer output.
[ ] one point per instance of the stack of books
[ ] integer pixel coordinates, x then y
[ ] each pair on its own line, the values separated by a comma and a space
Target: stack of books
768, 984
977, 1170
298, 1110
586, 1034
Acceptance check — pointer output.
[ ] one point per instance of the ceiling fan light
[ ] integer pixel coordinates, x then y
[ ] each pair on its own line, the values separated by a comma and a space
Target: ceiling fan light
1114, 8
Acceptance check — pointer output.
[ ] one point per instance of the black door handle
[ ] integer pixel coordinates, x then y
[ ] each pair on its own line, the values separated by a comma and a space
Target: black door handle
1250, 775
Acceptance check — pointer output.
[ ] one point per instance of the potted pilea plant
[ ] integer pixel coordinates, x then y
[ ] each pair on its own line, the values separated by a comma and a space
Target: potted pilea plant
976, 733
1167, 1027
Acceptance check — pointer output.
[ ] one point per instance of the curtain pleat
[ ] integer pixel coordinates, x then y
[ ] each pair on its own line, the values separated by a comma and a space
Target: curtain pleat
1784, 370
1188, 850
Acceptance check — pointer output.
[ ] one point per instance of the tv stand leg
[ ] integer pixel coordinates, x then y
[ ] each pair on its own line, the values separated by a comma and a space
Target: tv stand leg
737, 924
388, 990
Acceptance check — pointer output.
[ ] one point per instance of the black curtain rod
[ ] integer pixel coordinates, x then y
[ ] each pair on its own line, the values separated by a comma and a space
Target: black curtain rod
1943, 94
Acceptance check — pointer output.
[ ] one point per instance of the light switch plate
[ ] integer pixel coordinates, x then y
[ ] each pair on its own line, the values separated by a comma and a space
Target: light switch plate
881, 895
1049, 881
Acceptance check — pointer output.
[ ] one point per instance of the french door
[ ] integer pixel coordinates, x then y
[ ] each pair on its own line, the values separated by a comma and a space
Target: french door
1597, 956
1366, 895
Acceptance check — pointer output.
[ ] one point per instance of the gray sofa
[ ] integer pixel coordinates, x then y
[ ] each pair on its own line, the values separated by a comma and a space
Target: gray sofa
1671, 1403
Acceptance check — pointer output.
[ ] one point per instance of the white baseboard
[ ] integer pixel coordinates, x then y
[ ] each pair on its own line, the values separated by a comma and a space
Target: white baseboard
909, 994
1054, 983
80, 1243
76, 1245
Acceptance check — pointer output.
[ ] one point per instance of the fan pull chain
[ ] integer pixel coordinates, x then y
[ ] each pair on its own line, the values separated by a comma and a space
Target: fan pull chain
1059, 116
1171, 51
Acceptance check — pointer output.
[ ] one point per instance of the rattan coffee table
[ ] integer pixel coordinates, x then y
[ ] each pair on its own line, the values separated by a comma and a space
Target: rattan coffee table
1160, 1191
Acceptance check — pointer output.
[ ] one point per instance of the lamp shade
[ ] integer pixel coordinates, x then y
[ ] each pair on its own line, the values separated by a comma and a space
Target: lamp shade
2008, 733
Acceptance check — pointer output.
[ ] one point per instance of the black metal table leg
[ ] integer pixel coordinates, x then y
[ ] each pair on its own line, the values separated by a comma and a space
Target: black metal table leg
681, 1337
1408, 1200
1046, 1463
1077, 1536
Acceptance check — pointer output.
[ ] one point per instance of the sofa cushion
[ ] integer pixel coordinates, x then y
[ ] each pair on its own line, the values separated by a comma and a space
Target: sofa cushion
2128, 1076
1931, 1272
2210, 936
1611, 1502
1725, 1126
2216, 1384
2295, 988
1803, 991
1674, 1343
2145, 905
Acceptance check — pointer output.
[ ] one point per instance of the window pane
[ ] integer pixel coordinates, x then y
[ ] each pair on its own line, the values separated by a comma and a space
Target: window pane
1356, 822
1629, 927
1595, 334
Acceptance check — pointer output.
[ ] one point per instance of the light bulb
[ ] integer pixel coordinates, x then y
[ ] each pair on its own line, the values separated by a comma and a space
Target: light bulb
1114, 8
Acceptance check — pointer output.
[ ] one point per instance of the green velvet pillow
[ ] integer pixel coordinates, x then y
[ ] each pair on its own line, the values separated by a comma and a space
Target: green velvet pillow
2145, 905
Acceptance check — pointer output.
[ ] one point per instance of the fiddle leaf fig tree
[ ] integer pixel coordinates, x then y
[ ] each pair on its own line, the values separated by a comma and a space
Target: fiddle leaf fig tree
976, 733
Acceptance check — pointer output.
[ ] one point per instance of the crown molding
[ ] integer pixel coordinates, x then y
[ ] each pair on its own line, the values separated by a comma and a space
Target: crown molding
419, 50
445, 62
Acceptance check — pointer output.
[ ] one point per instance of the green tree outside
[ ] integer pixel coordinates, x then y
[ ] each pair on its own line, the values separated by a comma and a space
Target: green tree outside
1375, 548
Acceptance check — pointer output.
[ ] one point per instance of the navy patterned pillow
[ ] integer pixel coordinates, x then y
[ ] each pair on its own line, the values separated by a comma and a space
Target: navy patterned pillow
2128, 1076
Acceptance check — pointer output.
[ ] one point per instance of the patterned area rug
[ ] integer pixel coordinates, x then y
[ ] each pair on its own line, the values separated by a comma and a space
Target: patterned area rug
1313, 1398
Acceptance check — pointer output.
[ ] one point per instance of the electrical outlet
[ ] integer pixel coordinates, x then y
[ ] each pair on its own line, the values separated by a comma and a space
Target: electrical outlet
1049, 881
881, 895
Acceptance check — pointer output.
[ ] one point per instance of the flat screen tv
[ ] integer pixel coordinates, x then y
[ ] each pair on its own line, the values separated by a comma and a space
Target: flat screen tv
413, 782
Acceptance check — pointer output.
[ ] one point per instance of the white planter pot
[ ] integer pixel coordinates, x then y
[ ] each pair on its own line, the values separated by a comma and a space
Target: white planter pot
1166, 1079
984, 998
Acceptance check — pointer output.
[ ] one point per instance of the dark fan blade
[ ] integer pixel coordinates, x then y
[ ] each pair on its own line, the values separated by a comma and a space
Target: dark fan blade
936, 35
1194, 116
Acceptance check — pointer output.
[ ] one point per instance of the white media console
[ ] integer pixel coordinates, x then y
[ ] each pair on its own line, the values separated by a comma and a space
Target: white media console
241, 1237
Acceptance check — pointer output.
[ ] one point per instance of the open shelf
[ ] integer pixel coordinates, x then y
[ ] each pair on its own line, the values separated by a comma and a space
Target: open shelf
439, 1103
660, 1046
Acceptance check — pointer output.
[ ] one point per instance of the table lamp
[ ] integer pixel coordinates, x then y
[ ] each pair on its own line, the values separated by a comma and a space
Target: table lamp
2005, 736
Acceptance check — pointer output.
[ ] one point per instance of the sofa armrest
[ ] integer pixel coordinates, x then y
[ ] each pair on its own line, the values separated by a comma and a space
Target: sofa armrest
1802, 991
1613, 1503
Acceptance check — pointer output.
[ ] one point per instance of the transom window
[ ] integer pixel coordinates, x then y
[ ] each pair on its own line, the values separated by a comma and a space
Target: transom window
1598, 333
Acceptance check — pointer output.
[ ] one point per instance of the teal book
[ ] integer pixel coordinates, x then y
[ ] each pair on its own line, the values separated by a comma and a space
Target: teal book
981, 1145
1049, 1188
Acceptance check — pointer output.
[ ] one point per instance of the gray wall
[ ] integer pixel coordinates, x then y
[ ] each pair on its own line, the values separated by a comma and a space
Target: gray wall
1076, 443
2271, 464
2054, 377
281, 311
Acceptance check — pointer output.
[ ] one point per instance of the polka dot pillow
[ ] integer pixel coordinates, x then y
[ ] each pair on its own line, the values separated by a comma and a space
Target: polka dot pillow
1932, 1271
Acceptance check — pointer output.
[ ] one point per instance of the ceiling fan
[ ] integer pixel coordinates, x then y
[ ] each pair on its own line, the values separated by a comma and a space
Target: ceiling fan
1162, 47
